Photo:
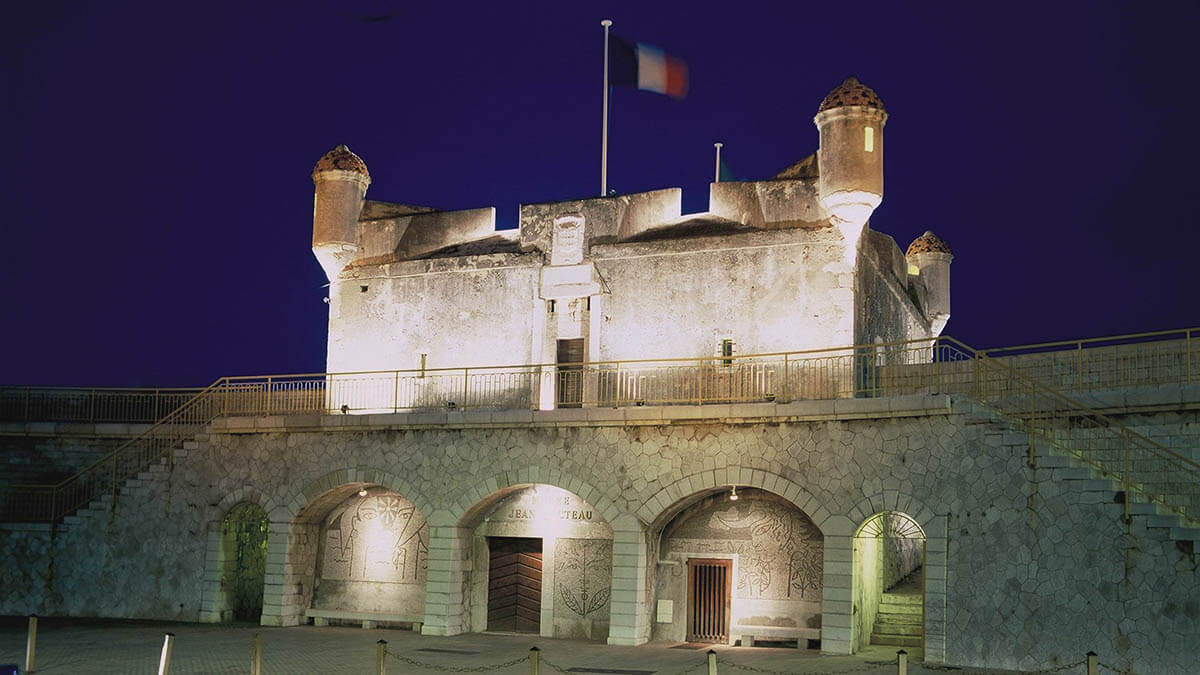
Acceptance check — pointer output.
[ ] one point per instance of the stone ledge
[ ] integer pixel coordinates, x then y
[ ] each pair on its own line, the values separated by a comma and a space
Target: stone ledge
736, 413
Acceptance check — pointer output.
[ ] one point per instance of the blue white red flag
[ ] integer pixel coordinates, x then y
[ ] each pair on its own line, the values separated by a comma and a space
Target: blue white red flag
647, 67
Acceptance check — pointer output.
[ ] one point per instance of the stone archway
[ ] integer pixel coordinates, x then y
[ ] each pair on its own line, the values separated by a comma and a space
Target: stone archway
541, 562
889, 582
759, 551
244, 558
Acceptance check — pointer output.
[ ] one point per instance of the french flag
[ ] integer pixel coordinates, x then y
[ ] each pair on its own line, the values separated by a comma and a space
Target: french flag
647, 67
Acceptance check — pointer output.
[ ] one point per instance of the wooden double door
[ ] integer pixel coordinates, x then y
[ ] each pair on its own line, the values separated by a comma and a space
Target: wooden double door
709, 596
515, 584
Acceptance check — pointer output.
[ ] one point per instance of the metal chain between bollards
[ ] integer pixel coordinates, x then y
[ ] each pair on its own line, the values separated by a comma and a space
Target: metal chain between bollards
1057, 669
857, 669
456, 669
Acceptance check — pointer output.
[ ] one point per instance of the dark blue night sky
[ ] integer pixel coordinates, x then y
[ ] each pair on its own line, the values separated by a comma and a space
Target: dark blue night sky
157, 200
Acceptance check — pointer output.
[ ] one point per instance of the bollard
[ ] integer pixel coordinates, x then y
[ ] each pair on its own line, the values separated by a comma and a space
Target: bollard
31, 643
535, 660
902, 662
380, 656
712, 662
164, 659
256, 655
1091, 663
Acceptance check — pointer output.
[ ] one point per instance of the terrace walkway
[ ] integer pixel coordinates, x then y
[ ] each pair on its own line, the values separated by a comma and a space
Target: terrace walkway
86, 646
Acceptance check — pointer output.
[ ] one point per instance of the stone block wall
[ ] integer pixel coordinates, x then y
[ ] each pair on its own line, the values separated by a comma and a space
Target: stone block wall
1024, 567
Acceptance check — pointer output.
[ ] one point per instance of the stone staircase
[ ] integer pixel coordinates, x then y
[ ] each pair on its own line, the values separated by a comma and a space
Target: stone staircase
135, 486
898, 621
1058, 472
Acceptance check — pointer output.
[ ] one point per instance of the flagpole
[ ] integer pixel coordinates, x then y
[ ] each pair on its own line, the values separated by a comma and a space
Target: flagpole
717, 170
604, 129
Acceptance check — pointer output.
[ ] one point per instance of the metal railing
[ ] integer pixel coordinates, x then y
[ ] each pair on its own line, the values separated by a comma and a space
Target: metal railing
942, 365
38, 503
1136, 359
93, 405
1141, 465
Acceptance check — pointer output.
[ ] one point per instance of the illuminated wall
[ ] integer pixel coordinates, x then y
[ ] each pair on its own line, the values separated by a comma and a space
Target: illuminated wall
777, 555
576, 559
372, 556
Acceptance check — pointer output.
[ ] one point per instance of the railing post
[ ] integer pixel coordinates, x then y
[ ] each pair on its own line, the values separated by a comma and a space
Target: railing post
787, 381
267, 392
381, 657
1187, 348
699, 384
1032, 434
164, 659
31, 643
620, 385
92, 406
466, 374
1126, 474
1079, 365
535, 660
396, 394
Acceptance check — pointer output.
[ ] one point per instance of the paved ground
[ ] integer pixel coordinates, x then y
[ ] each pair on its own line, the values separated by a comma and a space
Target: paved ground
69, 646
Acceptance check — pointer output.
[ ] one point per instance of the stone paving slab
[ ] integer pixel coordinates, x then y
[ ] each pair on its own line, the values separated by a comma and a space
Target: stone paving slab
86, 646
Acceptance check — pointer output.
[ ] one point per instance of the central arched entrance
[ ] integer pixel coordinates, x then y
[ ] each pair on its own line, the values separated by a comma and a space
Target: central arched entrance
889, 583
740, 564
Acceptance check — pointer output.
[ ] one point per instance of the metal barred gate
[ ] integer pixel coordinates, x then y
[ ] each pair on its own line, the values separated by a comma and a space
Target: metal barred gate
708, 600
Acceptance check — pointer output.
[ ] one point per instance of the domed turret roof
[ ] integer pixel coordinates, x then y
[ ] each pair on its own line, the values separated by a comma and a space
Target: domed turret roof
851, 92
927, 243
340, 159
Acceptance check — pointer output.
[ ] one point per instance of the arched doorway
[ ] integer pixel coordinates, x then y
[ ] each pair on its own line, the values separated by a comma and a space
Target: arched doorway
889, 584
740, 564
369, 555
244, 555
541, 563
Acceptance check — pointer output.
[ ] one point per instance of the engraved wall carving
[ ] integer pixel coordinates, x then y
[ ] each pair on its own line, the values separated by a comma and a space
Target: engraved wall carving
780, 551
583, 576
373, 556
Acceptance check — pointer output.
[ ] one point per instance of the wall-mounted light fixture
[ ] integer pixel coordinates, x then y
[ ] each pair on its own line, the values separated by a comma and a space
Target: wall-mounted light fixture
362, 492
733, 494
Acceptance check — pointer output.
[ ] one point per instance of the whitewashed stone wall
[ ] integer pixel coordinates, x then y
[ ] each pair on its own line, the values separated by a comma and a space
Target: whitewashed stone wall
1023, 569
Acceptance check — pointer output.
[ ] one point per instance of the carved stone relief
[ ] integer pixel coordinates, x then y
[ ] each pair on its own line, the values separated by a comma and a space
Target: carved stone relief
583, 575
379, 537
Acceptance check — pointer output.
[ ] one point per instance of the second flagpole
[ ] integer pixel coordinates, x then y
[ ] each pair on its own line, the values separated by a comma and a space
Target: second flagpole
604, 126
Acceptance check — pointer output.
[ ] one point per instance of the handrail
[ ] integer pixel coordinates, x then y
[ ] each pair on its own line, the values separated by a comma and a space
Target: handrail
127, 405
1140, 464
942, 365
38, 503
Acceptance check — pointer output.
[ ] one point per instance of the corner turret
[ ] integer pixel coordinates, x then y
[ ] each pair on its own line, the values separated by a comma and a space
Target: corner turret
929, 262
850, 159
340, 179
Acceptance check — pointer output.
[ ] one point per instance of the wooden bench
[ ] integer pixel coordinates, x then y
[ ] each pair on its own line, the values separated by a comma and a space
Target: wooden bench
321, 617
748, 634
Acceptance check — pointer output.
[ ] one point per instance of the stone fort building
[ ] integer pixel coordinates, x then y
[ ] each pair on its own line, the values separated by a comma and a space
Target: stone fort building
623, 423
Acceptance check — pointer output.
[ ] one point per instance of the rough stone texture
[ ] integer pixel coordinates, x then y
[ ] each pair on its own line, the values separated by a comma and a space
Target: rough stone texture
1024, 568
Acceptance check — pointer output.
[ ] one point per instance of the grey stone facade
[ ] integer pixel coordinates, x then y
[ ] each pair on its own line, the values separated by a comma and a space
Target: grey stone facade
1024, 567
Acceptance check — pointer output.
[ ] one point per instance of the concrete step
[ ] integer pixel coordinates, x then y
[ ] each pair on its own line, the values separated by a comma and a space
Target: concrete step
1185, 533
898, 619
1068, 472
1160, 520
1089, 484
907, 599
914, 630
897, 640
188, 445
1055, 462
